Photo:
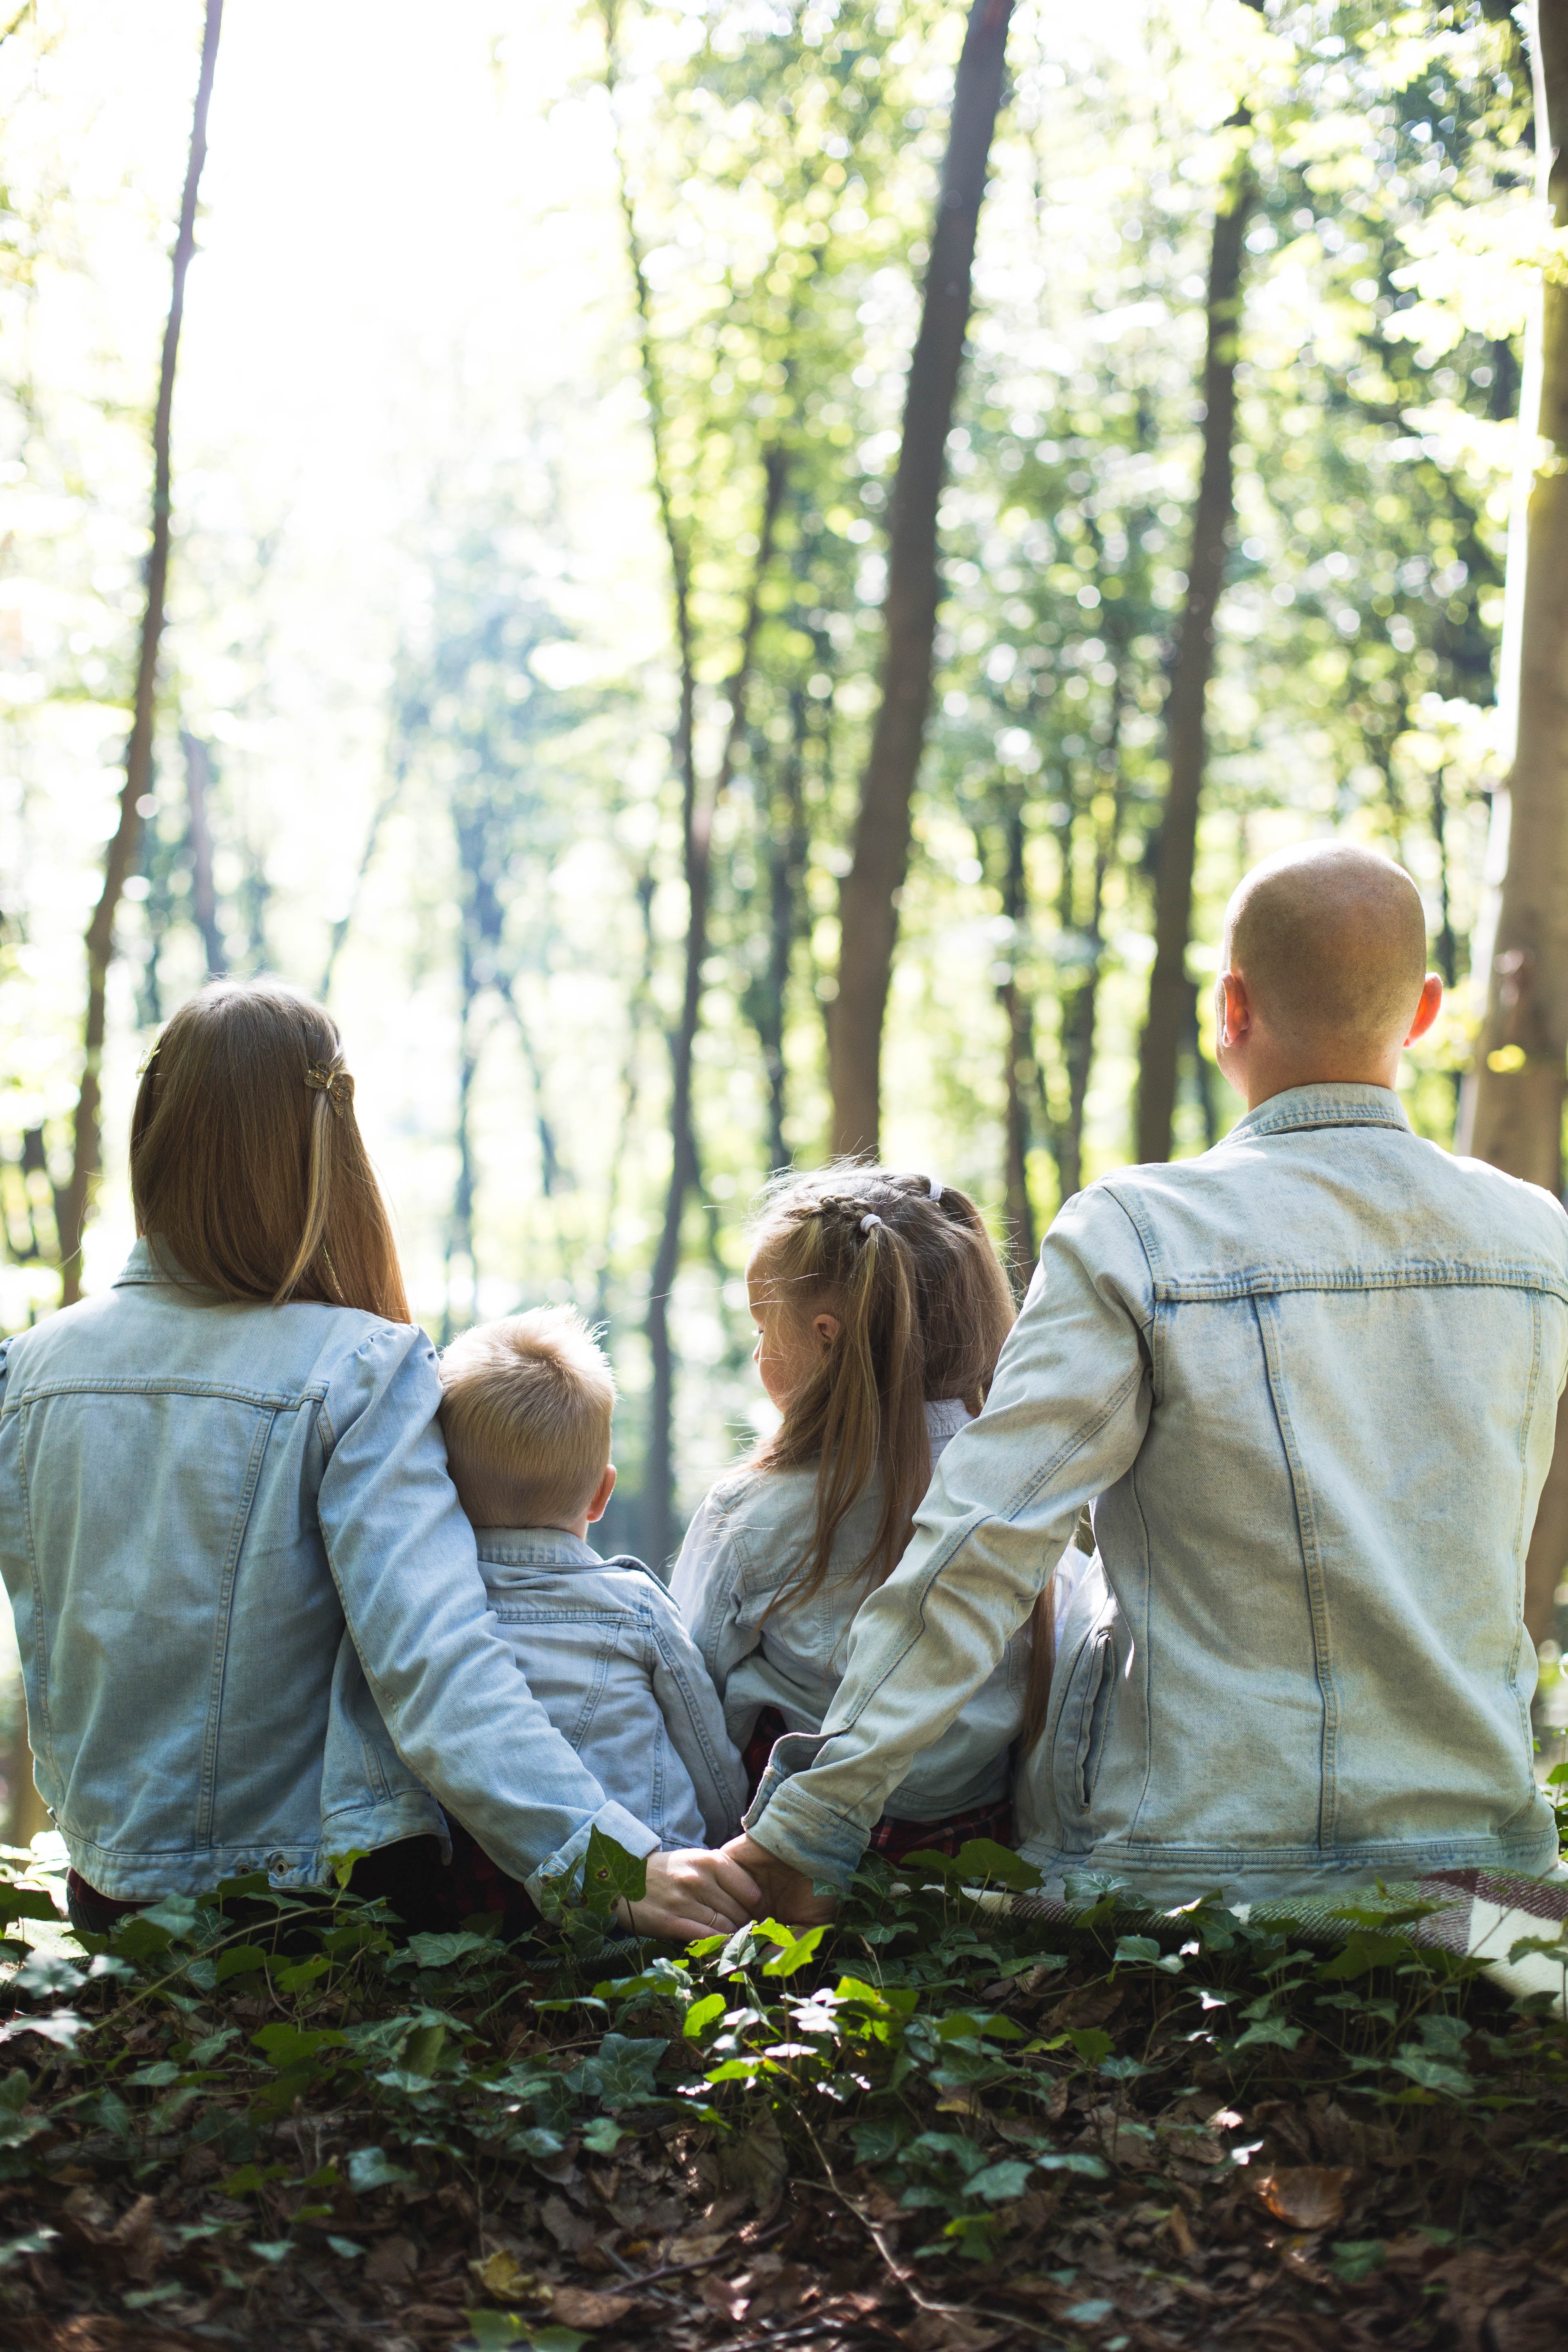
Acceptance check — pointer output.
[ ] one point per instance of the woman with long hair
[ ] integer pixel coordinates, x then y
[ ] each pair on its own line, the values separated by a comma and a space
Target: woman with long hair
253, 1629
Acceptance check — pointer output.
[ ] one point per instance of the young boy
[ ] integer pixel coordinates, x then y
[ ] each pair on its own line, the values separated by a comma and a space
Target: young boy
526, 1414
1309, 1381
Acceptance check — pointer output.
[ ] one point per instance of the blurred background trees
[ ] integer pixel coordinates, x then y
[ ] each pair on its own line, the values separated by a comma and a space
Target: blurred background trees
536, 428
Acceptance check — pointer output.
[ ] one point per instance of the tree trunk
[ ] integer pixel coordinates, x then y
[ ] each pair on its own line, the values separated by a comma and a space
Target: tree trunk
121, 854
1166, 1019
788, 847
204, 897
868, 896
1511, 1110
1022, 1075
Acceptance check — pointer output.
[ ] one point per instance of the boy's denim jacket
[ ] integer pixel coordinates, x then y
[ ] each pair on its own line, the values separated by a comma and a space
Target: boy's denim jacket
607, 1657
748, 1534
253, 1629
1312, 1378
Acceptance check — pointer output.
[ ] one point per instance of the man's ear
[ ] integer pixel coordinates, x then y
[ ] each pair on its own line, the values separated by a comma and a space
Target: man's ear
1234, 1008
1427, 1010
602, 1493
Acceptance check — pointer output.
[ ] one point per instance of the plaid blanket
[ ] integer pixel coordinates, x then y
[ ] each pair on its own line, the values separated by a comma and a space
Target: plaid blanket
1480, 1915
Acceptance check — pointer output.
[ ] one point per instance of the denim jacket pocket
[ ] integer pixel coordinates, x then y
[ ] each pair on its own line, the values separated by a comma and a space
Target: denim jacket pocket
1085, 1718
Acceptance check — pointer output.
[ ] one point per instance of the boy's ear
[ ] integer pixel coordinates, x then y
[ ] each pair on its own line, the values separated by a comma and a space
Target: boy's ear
602, 1493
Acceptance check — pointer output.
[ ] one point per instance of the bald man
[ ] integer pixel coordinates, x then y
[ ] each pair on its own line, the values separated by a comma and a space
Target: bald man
1309, 1382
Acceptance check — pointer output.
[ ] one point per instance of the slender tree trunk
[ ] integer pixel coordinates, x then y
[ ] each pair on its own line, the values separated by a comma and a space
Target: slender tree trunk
204, 897
699, 810
460, 1226
868, 896
1512, 1105
119, 858
1185, 725
1018, 1045
787, 849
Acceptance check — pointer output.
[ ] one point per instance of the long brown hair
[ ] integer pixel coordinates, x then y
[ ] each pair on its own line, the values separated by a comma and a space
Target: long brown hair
248, 1174
912, 1276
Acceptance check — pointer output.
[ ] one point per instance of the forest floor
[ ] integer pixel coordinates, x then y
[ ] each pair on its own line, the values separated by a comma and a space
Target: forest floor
256, 2124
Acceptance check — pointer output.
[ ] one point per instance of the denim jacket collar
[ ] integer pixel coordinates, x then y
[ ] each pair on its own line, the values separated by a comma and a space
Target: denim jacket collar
534, 1547
1337, 1104
140, 1265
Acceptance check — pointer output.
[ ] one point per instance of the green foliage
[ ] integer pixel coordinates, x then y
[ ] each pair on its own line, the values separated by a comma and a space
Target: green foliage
923, 2052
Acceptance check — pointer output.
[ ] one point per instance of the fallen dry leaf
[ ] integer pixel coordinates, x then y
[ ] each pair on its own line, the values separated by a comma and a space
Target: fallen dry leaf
1305, 2196
570, 2230
695, 2246
391, 2263
948, 2331
503, 2276
580, 2306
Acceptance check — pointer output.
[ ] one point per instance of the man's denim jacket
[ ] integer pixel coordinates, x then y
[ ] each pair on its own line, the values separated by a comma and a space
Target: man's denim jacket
610, 1662
1312, 1378
253, 1629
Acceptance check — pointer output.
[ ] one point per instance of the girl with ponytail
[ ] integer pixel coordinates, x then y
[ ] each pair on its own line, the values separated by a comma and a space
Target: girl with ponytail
881, 1308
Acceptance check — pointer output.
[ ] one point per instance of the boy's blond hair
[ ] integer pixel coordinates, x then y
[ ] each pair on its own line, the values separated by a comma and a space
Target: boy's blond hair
526, 1412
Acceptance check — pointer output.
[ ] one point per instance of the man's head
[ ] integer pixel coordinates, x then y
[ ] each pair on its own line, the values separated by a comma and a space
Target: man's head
526, 1410
1324, 971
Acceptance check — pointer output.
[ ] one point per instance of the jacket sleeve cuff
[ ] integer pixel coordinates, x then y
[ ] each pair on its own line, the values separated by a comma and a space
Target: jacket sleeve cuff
811, 1837
611, 1821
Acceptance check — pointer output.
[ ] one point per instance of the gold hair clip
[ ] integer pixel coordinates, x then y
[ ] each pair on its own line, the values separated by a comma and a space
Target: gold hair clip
336, 1084
148, 1058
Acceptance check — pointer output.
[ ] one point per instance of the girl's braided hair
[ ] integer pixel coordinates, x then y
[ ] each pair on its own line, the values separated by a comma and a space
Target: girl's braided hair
909, 1270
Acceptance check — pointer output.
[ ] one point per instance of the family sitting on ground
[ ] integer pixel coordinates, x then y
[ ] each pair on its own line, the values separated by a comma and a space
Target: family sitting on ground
1207, 1573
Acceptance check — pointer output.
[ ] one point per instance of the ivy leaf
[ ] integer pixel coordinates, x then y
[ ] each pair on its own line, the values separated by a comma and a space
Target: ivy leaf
610, 1874
998, 2183
1364, 1951
240, 1960
794, 1950
445, 1952
156, 2077
601, 2136
34, 2241
1091, 2043
24, 1903
703, 2013
1433, 2074
288, 2045
370, 2168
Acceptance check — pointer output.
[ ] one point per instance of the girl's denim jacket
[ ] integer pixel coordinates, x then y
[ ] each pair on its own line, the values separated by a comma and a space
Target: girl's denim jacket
748, 1535
1312, 1378
253, 1629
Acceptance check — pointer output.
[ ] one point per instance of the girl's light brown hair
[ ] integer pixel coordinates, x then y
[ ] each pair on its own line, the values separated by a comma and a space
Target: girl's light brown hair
248, 1174
922, 1306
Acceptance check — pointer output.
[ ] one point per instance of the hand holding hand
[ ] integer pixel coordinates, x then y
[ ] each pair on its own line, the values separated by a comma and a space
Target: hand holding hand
786, 1895
692, 1892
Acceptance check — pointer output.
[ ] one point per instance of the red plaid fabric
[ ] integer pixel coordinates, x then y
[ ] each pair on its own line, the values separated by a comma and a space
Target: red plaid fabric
892, 1840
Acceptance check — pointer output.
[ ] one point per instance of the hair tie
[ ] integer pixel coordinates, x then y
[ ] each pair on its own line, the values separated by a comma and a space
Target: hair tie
336, 1084
937, 1187
869, 1220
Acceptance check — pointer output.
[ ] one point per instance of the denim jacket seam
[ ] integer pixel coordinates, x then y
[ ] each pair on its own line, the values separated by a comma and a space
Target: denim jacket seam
206, 1796
1519, 1536
40, 1634
1149, 1331
1211, 1289
677, 1675
1312, 1571
267, 1401
1146, 1673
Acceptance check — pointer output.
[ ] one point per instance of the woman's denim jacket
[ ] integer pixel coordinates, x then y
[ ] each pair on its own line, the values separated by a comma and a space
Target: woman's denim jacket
253, 1629
608, 1659
745, 1541
1312, 1378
